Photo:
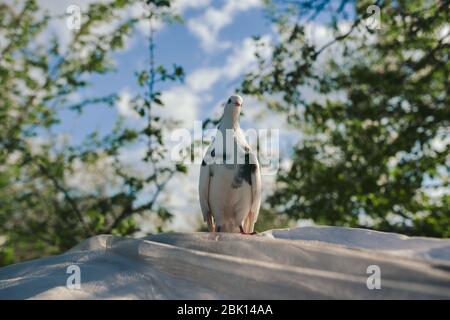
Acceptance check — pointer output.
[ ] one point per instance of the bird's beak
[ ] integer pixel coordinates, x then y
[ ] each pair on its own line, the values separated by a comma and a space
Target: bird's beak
237, 104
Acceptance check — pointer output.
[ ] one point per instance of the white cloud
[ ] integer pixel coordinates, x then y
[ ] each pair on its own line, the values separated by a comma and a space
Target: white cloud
240, 61
58, 26
203, 78
138, 10
208, 25
256, 115
243, 59
180, 6
207, 28
124, 105
180, 104
182, 198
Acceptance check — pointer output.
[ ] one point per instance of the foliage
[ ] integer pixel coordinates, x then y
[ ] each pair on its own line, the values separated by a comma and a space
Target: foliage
374, 149
41, 211
269, 219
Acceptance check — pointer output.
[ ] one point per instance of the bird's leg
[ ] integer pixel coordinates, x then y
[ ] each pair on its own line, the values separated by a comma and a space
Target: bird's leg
210, 222
246, 233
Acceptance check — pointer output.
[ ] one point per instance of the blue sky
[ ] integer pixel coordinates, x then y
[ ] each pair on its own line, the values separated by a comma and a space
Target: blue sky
214, 47
176, 43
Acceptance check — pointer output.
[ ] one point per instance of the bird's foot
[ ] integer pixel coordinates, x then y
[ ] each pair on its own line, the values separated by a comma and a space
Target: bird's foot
246, 233
249, 234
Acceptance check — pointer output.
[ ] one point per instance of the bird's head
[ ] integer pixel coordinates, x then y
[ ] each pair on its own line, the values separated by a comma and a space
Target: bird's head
232, 111
235, 101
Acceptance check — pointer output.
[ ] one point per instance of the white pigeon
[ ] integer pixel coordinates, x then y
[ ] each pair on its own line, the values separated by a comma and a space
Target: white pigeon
230, 178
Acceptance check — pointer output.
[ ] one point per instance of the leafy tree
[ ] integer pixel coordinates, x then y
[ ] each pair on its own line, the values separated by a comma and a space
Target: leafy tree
374, 149
269, 219
41, 212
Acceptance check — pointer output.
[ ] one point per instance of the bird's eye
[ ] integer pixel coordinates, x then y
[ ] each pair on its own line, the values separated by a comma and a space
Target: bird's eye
229, 100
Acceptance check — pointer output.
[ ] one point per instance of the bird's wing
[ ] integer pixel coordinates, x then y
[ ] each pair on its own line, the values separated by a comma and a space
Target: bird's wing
256, 195
203, 189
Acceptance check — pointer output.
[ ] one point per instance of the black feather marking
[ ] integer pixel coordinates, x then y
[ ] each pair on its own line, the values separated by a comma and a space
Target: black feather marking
244, 173
203, 163
213, 153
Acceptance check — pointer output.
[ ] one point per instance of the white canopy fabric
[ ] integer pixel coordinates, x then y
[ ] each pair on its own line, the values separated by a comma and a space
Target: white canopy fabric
299, 263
